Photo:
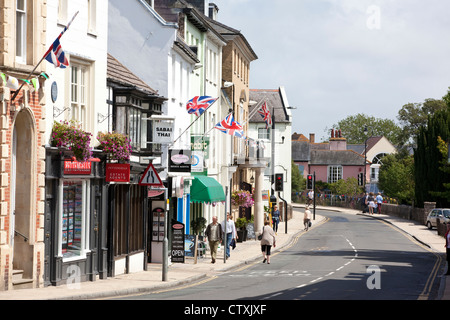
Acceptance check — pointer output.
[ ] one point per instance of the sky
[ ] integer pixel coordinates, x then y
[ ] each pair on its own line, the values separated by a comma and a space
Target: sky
337, 58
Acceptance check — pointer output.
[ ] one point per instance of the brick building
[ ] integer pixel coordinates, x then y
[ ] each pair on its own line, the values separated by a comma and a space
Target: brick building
22, 155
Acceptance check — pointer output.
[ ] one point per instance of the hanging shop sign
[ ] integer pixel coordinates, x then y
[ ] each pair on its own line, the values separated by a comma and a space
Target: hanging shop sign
163, 132
180, 160
118, 172
77, 168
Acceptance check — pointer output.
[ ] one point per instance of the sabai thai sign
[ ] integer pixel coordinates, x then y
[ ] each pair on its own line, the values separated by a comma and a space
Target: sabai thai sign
163, 132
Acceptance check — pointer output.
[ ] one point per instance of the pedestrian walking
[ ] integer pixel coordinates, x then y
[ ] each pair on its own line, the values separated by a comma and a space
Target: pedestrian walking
307, 218
214, 236
447, 248
275, 218
371, 201
267, 241
379, 200
231, 234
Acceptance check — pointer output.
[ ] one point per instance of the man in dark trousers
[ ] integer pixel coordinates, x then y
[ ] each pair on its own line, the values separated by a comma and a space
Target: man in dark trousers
214, 235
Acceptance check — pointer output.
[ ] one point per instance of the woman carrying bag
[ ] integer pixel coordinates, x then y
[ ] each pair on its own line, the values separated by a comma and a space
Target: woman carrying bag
267, 241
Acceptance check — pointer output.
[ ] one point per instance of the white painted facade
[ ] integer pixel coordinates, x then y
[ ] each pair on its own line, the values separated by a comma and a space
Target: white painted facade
85, 44
283, 150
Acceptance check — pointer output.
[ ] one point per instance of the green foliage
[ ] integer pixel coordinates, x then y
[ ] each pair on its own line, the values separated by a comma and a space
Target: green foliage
348, 187
412, 116
198, 225
352, 128
430, 180
396, 177
298, 182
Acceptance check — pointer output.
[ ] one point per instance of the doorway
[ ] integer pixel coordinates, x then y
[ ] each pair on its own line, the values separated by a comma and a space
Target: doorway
22, 193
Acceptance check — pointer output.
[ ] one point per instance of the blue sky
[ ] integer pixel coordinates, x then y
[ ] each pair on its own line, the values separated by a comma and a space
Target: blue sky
338, 58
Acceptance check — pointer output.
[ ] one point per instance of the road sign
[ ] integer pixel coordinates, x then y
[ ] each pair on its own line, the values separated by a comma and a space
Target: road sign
150, 177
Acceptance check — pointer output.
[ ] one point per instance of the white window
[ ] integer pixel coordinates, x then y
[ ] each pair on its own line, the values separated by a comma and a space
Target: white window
74, 218
263, 133
92, 16
334, 173
21, 31
62, 11
79, 94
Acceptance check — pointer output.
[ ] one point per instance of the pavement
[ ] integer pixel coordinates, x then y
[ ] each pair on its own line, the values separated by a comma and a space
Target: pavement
245, 253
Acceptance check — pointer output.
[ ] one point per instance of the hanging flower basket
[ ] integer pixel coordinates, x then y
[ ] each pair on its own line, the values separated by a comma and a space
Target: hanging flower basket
68, 134
116, 145
242, 198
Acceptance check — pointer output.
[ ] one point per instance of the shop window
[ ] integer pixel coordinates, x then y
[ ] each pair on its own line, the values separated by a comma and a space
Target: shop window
75, 205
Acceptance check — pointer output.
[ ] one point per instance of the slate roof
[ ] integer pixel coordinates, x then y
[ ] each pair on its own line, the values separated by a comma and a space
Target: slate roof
301, 151
331, 157
274, 103
120, 74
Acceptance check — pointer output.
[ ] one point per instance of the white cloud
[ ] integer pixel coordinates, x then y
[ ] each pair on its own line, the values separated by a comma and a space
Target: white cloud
332, 65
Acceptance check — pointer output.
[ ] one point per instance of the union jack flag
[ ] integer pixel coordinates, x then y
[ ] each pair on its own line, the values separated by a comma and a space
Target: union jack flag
57, 56
265, 114
231, 127
198, 105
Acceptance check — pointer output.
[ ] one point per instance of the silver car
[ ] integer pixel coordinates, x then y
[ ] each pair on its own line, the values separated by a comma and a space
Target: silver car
442, 214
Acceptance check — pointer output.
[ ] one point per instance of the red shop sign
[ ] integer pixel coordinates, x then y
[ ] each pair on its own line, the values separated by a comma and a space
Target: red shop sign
118, 172
77, 168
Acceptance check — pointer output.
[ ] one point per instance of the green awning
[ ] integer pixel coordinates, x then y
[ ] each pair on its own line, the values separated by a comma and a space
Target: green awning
206, 189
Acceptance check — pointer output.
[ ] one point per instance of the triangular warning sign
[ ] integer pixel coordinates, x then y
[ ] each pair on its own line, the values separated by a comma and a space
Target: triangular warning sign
150, 177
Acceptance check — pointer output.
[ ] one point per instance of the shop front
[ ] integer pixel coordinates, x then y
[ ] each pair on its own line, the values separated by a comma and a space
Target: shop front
75, 219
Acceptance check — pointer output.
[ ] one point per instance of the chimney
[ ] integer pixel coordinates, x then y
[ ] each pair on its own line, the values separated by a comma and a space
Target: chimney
337, 142
213, 11
312, 138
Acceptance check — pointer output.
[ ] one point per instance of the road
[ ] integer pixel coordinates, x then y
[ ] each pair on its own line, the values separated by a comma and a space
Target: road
348, 257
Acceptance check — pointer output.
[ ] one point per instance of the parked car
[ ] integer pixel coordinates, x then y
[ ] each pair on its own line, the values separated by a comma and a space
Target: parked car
443, 214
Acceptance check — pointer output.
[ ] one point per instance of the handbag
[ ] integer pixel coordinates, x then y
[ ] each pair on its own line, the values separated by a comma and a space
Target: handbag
260, 236
310, 224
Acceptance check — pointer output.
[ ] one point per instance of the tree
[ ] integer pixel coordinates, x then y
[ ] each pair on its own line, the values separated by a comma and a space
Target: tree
396, 177
412, 116
430, 180
352, 128
297, 180
348, 187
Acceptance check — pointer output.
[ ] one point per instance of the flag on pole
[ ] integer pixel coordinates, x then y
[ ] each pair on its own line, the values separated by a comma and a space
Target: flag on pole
199, 104
231, 127
46, 55
265, 114
57, 56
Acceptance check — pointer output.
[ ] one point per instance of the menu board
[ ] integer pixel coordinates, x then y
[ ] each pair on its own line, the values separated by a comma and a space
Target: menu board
158, 224
72, 218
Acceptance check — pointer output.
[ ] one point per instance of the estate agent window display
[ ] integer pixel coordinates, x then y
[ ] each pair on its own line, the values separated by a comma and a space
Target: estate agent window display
73, 218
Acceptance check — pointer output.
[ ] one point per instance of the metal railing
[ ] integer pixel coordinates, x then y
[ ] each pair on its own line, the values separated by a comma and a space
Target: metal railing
17, 233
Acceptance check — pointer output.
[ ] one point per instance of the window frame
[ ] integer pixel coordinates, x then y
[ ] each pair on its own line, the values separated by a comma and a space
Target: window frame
85, 216
334, 173
21, 27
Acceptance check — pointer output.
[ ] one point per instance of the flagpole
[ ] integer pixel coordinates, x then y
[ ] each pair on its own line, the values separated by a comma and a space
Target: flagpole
252, 113
40, 61
193, 122
207, 132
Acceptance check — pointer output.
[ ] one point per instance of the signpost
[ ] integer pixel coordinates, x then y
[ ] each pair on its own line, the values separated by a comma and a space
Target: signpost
150, 177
